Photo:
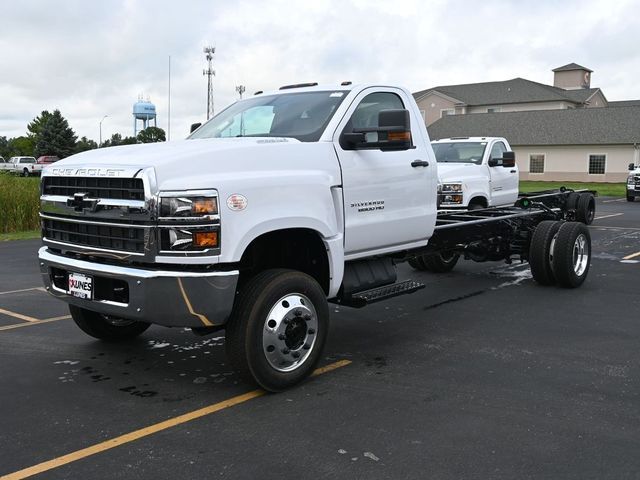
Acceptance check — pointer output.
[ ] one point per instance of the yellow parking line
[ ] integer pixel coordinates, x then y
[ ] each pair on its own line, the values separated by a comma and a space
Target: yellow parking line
633, 255
23, 290
38, 322
26, 318
150, 430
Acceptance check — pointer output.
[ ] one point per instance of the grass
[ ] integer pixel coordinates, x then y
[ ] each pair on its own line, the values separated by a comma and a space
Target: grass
603, 189
27, 235
19, 203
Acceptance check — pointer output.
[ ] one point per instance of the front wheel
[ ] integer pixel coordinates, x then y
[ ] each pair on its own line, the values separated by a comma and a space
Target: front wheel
630, 198
106, 328
277, 331
25, 173
586, 209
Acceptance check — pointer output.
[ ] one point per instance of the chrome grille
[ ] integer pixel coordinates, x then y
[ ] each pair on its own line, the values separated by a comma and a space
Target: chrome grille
108, 237
97, 187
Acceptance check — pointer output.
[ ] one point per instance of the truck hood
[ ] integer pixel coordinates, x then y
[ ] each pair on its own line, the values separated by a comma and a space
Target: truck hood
203, 163
457, 172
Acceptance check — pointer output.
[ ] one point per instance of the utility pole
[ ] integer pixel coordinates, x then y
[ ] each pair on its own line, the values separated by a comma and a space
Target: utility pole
210, 73
169, 104
100, 140
241, 89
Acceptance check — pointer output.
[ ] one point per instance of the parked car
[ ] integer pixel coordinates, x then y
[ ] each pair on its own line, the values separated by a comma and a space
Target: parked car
47, 159
4, 165
633, 182
25, 166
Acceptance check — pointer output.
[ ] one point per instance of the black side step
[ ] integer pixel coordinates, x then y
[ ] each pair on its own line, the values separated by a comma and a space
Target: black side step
361, 299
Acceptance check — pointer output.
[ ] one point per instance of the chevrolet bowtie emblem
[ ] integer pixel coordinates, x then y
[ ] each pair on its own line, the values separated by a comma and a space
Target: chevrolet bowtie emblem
79, 202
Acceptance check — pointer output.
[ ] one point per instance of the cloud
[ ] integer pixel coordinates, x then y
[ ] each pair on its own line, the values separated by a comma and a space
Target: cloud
91, 59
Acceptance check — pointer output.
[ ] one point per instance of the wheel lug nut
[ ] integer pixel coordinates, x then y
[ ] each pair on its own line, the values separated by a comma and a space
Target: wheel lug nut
297, 313
286, 321
306, 346
307, 317
295, 354
311, 331
281, 336
285, 351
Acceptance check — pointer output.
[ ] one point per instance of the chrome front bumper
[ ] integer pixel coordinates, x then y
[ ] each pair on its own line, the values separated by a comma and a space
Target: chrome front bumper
164, 297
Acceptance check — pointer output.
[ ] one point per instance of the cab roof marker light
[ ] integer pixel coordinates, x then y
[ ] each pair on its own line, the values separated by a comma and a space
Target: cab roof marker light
299, 85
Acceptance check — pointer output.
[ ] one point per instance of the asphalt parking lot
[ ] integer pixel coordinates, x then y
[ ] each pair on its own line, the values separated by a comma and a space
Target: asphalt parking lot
483, 374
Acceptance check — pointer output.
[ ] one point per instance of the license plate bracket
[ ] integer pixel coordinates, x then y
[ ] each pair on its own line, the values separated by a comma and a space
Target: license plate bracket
80, 286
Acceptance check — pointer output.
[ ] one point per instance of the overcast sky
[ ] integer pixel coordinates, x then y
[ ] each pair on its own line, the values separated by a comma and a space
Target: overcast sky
91, 59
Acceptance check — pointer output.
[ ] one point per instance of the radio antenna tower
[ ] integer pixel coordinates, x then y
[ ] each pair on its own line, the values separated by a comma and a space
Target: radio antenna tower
241, 89
210, 73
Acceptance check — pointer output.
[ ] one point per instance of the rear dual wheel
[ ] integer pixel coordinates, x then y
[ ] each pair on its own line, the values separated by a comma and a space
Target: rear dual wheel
560, 252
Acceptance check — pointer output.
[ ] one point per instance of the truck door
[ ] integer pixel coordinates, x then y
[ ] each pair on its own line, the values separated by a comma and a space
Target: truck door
503, 181
387, 201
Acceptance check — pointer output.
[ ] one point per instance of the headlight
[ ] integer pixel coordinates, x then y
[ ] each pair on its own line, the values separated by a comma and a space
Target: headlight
188, 207
451, 187
630, 179
189, 222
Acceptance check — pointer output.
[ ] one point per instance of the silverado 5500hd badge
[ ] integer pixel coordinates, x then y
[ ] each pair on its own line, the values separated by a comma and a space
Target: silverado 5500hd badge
368, 206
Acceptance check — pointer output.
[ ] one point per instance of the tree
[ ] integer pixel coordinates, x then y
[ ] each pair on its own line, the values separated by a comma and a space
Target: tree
21, 146
84, 144
151, 135
5, 151
117, 139
52, 135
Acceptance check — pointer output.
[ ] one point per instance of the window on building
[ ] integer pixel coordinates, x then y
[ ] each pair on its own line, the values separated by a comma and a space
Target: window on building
597, 164
536, 163
447, 111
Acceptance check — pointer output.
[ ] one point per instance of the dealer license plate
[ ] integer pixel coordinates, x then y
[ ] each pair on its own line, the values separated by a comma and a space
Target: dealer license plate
80, 286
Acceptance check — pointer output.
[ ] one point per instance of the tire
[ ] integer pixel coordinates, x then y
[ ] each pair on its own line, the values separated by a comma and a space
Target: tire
540, 252
475, 206
586, 209
435, 262
102, 328
630, 198
572, 201
278, 328
571, 254
25, 173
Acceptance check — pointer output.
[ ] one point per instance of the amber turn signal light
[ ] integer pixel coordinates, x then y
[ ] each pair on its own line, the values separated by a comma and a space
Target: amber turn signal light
399, 136
205, 206
205, 239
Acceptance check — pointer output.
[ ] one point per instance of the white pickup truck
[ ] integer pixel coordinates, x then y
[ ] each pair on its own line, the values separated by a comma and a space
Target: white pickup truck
470, 177
633, 182
23, 166
283, 202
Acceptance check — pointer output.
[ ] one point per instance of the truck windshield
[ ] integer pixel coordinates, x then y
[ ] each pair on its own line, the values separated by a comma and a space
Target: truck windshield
302, 115
459, 152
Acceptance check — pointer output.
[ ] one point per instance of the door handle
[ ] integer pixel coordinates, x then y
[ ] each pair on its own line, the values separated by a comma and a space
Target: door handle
513, 171
419, 163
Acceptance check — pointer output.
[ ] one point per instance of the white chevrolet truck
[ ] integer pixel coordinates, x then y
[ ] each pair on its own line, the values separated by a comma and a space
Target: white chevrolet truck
470, 175
633, 182
283, 202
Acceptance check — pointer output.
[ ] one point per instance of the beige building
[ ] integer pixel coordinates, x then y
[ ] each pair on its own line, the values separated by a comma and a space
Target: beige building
571, 89
565, 132
584, 145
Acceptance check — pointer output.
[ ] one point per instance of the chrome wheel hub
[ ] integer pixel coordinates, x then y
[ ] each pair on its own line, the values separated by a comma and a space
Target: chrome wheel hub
580, 255
289, 332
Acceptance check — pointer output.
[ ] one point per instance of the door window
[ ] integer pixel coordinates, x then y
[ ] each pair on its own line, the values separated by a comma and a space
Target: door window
497, 150
366, 113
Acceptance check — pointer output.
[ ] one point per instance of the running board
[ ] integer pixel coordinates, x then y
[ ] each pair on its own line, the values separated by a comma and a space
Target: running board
366, 297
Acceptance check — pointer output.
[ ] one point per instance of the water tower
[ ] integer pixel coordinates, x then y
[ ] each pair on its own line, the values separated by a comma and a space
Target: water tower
145, 111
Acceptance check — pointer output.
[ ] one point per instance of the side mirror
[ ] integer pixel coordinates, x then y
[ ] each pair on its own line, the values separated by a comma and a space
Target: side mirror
393, 133
632, 166
508, 160
195, 126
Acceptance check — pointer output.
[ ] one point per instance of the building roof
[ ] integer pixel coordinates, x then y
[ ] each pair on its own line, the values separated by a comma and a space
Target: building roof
517, 90
624, 103
569, 67
583, 126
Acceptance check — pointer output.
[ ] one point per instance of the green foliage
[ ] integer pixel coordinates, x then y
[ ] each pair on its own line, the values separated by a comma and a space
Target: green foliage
84, 144
20, 146
20, 202
52, 135
603, 189
117, 139
152, 135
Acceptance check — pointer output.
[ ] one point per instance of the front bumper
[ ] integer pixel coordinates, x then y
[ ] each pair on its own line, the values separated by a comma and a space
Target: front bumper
164, 297
631, 192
